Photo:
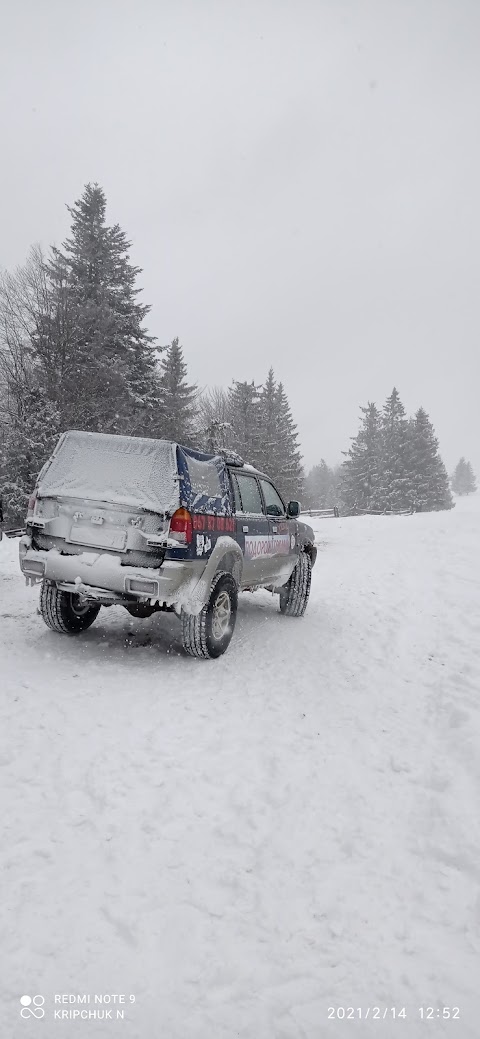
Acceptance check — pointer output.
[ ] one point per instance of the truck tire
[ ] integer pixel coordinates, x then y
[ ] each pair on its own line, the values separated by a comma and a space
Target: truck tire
63, 611
294, 594
207, 634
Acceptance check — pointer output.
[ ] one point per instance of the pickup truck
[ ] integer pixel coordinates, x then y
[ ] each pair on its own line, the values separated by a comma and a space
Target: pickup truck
151, 525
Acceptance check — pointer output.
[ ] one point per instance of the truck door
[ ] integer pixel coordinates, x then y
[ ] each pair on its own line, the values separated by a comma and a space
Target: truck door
253, 530
281, 533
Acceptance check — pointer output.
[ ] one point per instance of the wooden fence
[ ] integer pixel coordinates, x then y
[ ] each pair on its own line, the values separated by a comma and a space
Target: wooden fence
381, 512
331, 513
322, 513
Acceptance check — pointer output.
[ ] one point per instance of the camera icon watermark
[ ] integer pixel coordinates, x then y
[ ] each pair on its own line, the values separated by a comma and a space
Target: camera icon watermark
32, 1007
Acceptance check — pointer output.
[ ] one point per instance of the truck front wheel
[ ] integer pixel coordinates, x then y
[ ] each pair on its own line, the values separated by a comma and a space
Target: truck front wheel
294, 594
64, 611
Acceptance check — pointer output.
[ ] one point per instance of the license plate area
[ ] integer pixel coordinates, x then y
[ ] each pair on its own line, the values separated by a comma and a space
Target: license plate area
98, 537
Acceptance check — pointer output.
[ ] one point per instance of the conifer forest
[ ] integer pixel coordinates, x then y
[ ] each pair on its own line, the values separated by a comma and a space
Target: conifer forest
75, 352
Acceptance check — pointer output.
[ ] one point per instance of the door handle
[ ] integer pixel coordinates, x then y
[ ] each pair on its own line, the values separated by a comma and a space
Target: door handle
245, 529
274, 530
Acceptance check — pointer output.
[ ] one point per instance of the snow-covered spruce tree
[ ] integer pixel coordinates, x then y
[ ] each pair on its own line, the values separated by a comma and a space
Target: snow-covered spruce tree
429, 478
269, 451
109, 379
361, 471
265, 434
279, 453
463, 479
396, 489
245, 416
320, 487
287, 470
177, 409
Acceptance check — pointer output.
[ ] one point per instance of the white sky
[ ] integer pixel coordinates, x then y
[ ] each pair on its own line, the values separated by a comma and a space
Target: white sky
300, 181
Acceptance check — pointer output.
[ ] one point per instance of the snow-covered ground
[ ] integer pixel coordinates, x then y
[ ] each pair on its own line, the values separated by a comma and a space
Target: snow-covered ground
244, 843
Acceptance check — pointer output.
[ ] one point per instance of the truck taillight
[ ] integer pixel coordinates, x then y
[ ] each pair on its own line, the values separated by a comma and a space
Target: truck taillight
181, 528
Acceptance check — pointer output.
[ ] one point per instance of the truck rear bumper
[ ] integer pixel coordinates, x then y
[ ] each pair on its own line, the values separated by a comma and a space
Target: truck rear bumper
100, 576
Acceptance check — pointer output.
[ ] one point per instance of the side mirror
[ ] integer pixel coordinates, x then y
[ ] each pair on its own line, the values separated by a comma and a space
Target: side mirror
293, 509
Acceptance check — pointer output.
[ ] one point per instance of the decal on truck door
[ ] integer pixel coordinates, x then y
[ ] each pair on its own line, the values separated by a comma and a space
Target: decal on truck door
259, 545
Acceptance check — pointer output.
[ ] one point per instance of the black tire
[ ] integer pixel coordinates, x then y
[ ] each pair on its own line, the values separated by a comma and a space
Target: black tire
62, 611
294, 594
207, 634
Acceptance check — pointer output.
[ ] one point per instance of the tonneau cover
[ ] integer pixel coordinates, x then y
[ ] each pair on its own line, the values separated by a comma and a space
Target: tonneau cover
120, 470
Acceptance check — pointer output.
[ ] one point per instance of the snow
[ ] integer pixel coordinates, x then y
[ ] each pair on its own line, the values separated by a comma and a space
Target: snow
244, 843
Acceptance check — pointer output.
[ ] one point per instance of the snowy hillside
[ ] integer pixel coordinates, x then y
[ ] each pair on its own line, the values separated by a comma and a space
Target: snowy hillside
244, 843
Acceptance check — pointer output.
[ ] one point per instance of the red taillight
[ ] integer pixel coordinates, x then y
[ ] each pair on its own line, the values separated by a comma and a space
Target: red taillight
181, 528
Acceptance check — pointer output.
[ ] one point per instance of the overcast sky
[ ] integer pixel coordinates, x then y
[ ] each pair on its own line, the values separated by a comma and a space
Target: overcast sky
300, 181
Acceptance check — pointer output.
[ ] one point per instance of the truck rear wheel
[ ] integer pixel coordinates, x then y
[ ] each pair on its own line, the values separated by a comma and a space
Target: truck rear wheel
64, 611
207, 634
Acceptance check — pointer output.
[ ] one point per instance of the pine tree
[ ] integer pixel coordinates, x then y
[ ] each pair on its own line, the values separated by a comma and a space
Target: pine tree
265, 433
463, 479
287, 468
429, 480
269, 456
396, 490
246, 422
55, 347
360, 473
393, 463
109, 370
178, 410
73, 351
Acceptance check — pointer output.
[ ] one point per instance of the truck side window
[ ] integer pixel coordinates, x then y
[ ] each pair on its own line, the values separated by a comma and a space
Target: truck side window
250, 494
273, 502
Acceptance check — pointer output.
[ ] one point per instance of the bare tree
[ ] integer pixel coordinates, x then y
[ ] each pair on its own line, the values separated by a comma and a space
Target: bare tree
214, 428
28, 410
29, 355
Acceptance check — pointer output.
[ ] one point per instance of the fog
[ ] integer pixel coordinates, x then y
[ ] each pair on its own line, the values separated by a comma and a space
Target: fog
299, 182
